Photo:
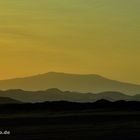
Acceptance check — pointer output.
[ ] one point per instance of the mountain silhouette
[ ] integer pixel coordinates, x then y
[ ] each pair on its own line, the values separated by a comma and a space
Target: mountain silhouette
70, 82
7, 100
58, 95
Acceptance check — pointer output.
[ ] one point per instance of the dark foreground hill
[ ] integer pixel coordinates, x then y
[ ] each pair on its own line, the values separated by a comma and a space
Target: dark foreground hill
58, 95
70, 82
102, 120
59, 106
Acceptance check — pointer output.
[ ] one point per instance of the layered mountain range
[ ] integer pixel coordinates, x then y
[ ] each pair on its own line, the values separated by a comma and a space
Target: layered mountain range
58, 95
70, 82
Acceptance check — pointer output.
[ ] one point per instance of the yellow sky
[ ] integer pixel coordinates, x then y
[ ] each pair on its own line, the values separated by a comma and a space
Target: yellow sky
75, 36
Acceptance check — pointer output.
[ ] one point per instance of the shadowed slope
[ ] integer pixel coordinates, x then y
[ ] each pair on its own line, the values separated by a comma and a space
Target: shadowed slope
7, 100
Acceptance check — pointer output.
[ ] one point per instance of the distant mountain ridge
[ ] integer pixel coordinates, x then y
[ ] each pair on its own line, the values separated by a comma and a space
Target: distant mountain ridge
58, 95
70, 82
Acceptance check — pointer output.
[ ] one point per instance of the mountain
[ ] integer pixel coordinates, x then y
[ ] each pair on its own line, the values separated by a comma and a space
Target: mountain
71, 82
7, 100
58, 95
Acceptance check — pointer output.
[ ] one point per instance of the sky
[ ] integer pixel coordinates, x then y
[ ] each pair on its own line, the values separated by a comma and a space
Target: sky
71, 36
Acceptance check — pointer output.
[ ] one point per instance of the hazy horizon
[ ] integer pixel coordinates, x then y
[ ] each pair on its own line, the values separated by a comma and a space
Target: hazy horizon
76, 36
54, 72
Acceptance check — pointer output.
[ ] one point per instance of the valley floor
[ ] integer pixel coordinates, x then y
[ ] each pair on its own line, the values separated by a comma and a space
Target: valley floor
90, 126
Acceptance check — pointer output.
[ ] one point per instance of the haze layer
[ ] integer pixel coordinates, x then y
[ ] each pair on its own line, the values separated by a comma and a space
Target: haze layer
76, 36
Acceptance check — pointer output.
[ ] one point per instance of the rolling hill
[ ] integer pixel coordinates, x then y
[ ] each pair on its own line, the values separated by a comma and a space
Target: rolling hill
58, 95
7, 100
70, 82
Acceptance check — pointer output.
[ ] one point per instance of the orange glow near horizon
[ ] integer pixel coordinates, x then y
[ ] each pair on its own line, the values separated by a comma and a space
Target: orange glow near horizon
76, 36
